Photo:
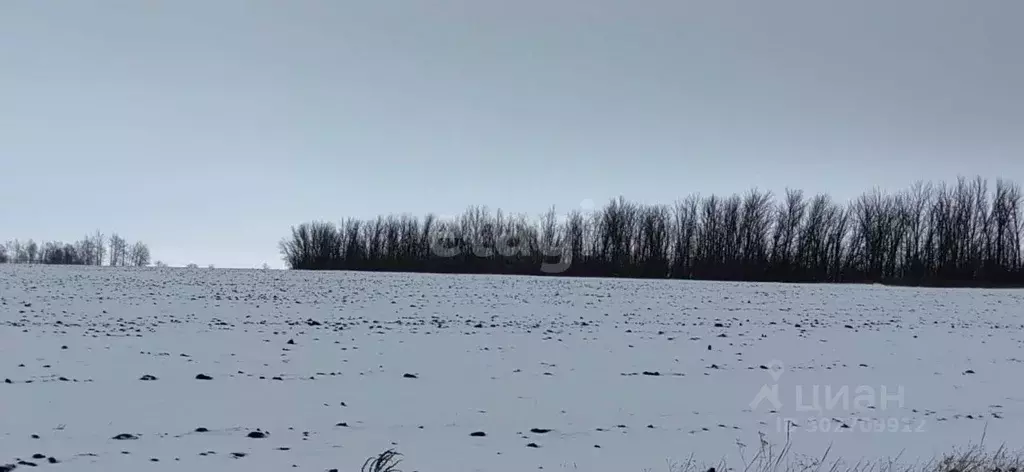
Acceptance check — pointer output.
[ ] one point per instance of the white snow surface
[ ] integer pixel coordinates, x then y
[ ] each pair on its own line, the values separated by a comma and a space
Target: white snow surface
494, 354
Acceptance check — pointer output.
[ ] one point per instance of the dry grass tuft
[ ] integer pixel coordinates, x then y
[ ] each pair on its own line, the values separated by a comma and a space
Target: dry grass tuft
973, 458
386, 461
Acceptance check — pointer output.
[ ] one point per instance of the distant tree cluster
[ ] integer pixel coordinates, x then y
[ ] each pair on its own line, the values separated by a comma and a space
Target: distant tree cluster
962, 234
94, 250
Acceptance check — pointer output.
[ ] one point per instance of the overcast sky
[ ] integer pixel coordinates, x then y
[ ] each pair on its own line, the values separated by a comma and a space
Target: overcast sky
208, 127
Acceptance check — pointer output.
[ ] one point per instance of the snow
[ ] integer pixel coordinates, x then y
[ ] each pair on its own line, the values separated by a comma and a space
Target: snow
501, 355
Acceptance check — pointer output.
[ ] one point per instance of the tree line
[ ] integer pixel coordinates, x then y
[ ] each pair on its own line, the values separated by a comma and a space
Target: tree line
966, 233
93, 250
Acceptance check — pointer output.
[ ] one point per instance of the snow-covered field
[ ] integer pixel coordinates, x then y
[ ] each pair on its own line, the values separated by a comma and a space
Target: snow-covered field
318, 362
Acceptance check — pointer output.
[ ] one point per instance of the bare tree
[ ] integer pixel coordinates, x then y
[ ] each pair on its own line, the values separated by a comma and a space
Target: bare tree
118, 251
31, 250
936, 235
82, 252
99, 248
138, 255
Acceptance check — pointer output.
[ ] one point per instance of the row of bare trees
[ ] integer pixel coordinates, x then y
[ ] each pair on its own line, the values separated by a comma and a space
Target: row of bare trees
93, 250
967, 233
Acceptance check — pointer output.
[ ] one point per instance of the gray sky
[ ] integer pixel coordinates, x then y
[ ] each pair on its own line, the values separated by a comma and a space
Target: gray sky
208, 127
